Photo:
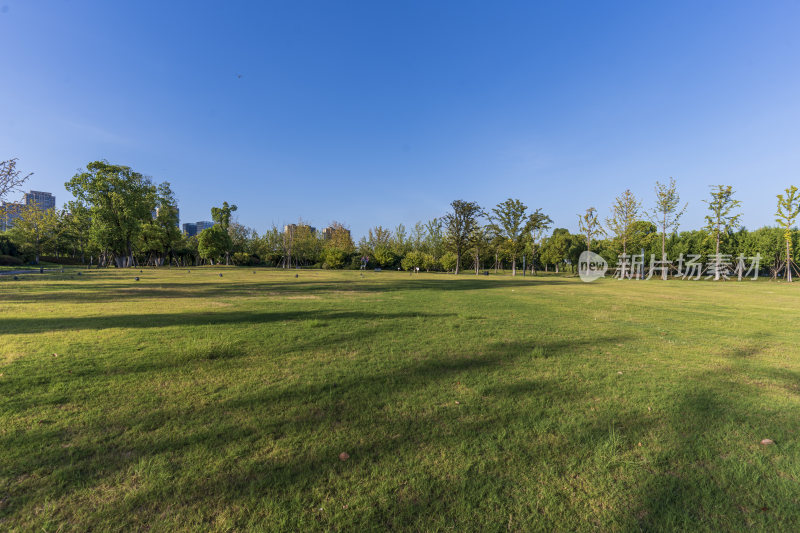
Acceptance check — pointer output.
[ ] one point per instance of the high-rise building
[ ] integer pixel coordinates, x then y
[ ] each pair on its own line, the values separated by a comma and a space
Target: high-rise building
329, 231
42, 200
11, 211
195, 228
203, 225
291, 228
190, 229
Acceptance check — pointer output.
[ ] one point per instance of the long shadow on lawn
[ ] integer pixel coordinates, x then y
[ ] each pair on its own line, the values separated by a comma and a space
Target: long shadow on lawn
87, 291
348, 416
164, 320
716, 474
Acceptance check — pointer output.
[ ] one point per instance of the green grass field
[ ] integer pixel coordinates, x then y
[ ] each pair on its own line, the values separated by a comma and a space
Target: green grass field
189, 401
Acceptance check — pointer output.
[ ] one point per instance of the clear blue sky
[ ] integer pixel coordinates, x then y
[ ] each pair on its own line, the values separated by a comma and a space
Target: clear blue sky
383, 112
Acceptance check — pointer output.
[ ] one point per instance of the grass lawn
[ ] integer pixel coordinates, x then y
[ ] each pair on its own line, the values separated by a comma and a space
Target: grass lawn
191, 401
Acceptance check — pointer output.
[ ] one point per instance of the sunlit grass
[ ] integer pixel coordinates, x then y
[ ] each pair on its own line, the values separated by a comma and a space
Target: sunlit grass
191, 401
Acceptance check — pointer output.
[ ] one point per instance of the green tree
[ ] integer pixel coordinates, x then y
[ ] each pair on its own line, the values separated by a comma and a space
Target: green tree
590, 227
786, 215
161, 234
222, 216
460, 224
509, 220
214, 243
449, 260
34, 229
721, 220
339, 247
624, 213
666, 213
538, 224
120, 202
555, 249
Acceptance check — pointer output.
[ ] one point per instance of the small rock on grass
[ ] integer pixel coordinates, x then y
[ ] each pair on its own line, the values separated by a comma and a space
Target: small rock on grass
767, 442
344, 456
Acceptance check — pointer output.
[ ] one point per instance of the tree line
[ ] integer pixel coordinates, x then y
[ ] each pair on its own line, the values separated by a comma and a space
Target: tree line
121, 218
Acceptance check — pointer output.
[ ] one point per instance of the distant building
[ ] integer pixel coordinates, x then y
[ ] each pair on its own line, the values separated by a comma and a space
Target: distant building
42, 200
190, 229
328, 232
291, 228
11, 211
203, 224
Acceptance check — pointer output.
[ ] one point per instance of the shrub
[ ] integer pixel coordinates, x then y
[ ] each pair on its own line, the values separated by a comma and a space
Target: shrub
448, 261
7, 260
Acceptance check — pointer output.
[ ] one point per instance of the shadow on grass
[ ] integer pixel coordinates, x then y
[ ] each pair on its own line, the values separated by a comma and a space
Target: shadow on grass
92, 290
272, 450
350, 414
165, 320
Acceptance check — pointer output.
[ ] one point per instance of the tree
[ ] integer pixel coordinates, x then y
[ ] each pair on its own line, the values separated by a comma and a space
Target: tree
624, 212
161, 234
34, 229
120, 202
478, 241
434, 239
460, 223
77, 224
448, 261
555, 249
666, 214
339, 246
537, 224
589, 226
214, 243
222, 216
510, 223
721, 219
11, 179
788, 209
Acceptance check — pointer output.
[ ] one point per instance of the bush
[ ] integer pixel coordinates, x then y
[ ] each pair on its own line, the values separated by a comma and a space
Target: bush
7, 260
448, 261
241, 258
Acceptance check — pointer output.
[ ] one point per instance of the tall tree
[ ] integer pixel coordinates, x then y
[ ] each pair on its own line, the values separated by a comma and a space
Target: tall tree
666, 213
11, 179
590, 227
786, 215
222, 216
339, 246
624, 213
555, 249
538, 224
34, 229
478, 242
721, 220
509, 221
78, 224
120, 202
162, 233
460, 223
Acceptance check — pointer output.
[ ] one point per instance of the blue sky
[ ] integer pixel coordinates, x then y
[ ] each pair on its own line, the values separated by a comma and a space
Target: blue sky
383, 112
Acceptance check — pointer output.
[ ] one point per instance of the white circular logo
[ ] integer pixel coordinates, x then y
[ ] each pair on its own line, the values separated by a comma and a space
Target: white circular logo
591, 266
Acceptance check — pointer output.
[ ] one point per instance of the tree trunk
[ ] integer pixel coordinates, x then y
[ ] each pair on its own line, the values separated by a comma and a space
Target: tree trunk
513, 265
788, 263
